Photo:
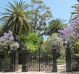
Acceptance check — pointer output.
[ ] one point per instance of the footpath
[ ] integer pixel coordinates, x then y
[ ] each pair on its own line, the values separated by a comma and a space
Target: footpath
61, 70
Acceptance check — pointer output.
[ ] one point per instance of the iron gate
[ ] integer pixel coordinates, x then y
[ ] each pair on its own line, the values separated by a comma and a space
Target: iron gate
40, 61
4, 61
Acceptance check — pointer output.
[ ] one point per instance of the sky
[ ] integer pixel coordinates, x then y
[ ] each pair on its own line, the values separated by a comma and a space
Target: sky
60, 8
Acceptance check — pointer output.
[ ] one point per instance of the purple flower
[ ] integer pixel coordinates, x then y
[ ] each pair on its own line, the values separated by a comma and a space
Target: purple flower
7, 39
66, 32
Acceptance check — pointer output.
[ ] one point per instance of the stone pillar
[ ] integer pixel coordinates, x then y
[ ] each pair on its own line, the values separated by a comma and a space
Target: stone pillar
25, 57
14, 60
68, 58
54, 52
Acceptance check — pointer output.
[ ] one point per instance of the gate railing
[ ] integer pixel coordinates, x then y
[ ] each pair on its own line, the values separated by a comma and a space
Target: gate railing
10, 65
5, 64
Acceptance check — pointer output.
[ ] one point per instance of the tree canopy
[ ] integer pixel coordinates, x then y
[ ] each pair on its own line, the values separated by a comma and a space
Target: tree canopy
16, 17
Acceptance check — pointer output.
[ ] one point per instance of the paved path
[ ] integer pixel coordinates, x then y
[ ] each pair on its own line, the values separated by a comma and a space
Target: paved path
61, 70
36, 73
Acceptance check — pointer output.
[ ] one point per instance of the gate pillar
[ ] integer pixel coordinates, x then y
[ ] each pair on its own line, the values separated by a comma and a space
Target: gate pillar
68, 58
24, 65
0, 64
54, 51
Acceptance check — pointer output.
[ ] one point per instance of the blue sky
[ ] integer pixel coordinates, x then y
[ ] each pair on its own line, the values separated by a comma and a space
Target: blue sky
60, 8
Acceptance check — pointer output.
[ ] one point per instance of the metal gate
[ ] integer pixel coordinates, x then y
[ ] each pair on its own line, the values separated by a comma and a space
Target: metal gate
40, 61
4, 61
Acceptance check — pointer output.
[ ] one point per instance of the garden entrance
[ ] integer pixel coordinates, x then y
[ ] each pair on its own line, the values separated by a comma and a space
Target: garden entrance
35, 61
46, 61
4, 61
40, 60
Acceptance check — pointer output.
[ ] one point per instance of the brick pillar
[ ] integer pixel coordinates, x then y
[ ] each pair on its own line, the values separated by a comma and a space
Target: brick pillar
54, 52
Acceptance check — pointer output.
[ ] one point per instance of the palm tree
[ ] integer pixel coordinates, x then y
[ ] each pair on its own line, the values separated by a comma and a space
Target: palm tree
75, 13
16, 18
55, 25
78, 0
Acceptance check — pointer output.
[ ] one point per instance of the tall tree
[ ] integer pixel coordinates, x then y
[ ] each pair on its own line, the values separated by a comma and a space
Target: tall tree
54, 26
78, 0
40, 14
75, 13
16, 17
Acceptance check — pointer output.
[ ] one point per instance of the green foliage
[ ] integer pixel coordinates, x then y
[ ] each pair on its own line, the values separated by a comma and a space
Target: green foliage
32, 47
40, 14
76, 51
44, 46
54, 39
32, 41
76, 47
1, 29
55, 25
33, 38
15, 17
61, 61
20, 17
75, 13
